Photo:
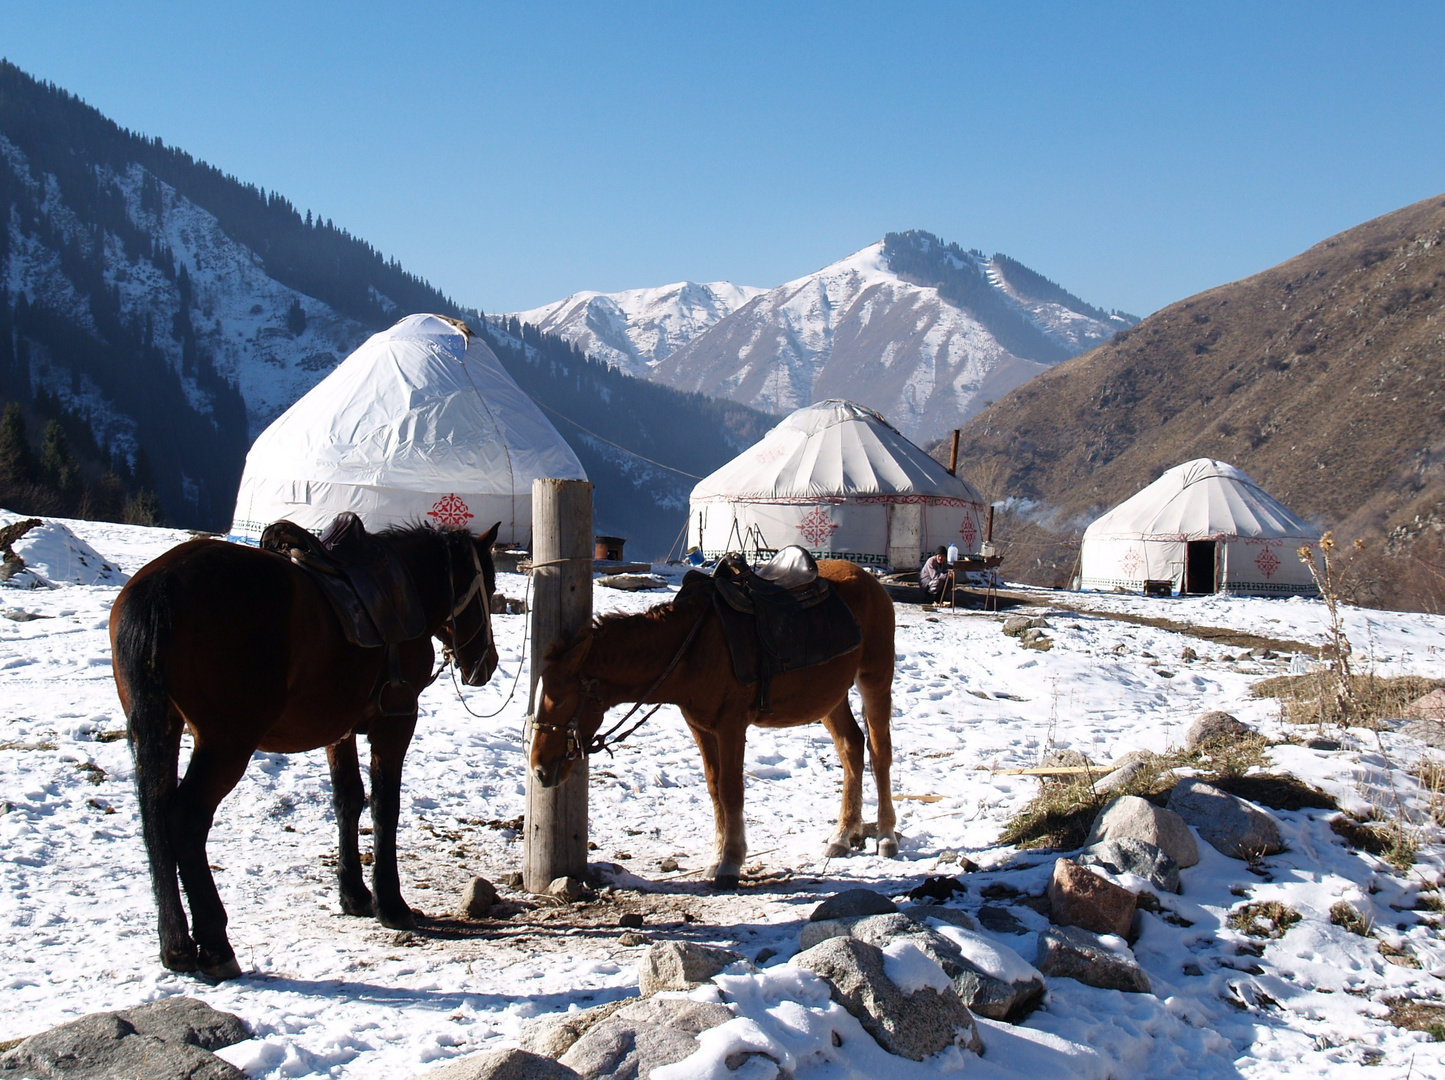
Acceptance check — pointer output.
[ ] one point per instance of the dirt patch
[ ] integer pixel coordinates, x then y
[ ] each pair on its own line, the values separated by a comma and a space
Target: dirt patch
1278, 791
1418, 1016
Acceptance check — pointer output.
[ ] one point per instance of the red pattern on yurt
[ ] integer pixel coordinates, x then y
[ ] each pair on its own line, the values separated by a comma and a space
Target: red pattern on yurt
817, 527
1130, 563
968, 530
1267, 562
450, 510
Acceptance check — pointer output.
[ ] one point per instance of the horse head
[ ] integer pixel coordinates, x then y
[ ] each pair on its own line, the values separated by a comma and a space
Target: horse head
569, 712
467, 633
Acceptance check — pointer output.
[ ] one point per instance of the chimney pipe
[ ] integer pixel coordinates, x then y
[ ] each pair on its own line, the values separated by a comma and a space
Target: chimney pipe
953, 457
989, 535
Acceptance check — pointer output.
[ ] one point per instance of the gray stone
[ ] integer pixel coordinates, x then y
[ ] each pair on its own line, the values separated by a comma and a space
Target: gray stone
643, 1036
510, 1064
1125, 769
1429, 707
915, 1026
477, 899
921, 912
1236, 827
853, 902
104, 1045
1129, 815
1066, 952
1429, 732
814, 932
681, 965
553, 1035
1016, 625
1080, 897
632, 582
186, 1020
1130, 855
1000, 920
1064, 759
1214, 725
566, 888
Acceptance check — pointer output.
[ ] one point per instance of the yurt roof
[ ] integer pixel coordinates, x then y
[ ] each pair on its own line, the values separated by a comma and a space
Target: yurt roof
1197, 499
833, 448
422, 406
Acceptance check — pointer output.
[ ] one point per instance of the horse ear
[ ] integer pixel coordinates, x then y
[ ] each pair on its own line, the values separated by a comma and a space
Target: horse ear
487, 539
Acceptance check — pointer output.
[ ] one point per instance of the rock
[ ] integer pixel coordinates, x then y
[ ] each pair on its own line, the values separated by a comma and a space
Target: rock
941, 888
1320, 743
1131, 816
1000, 920
643, 1036
1429, 707
477, 899
1042, 644
921, 912
1188, 655
1129, 855
814, 932
566, 888
681, 965
1125, 769
512, 879
853, 902
1238, 828
1080, 897
632, 582
632, 920
915, 1026
1429, 732
186, 1020
510, 1064
631, 938
1015, 625
552, 1036
1066, 952
105, 1045
1063, 759
1214, 725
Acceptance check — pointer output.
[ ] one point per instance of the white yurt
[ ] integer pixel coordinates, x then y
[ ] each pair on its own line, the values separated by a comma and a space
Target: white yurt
421, 423
1203, 527
841, 481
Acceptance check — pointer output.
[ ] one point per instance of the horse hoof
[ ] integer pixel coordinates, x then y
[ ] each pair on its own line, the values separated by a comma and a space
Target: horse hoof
725, 882
182, 959
220, 972
358, 905
836, 849
404, 919
888, 848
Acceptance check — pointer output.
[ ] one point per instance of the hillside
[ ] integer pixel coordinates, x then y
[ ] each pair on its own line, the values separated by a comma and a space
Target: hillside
163, 313
920, 330
1320, 377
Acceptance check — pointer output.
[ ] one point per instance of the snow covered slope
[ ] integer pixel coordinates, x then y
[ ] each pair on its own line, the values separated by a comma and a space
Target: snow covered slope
637, 329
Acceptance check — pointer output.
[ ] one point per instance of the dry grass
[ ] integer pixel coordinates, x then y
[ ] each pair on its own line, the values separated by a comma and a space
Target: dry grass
1418, 1016
1347, 915
1390, 840
1311, 699
1397, 956
1264, 919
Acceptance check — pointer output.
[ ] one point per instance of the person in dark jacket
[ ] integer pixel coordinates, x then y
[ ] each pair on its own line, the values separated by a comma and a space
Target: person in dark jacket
936, 577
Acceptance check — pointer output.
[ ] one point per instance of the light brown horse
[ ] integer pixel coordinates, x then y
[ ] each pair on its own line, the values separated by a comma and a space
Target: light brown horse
622, 656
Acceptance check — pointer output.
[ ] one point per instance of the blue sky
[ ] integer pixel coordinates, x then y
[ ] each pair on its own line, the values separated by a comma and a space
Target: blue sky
1135, 153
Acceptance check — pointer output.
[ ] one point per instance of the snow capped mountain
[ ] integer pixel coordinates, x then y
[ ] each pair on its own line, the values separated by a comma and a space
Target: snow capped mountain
922, 331
637, 329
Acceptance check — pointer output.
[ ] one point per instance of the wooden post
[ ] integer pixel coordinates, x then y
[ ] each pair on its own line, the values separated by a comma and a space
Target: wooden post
953, 457
555, 843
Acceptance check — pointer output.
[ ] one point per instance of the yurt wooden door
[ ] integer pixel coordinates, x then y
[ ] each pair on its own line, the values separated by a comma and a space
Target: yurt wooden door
905, 535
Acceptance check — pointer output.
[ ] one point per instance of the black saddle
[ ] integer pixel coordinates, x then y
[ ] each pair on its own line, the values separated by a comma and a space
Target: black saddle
782, 617
367, 586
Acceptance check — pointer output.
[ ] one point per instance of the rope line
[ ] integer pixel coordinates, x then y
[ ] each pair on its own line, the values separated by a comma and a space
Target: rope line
618, 446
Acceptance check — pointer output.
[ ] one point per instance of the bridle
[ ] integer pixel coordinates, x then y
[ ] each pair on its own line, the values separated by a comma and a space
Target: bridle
605, 740
476, 591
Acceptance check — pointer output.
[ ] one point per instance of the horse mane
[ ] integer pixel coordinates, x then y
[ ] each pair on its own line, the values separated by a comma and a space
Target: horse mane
630, 631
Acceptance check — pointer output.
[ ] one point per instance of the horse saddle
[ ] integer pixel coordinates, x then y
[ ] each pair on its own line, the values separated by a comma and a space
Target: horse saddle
367, 586
782, 617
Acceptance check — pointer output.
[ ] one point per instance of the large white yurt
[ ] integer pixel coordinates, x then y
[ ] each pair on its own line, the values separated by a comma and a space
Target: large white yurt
421, 423
1203, 527
841, 481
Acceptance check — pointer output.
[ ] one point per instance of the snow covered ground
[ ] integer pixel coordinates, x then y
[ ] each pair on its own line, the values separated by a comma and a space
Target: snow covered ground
329, 995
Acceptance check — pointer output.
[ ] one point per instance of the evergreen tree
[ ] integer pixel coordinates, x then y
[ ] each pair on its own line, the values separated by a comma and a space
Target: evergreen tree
17, 461
58, 467
296, 317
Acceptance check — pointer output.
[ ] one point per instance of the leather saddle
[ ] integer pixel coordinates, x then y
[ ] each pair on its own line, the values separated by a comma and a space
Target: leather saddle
781, 617
367, 586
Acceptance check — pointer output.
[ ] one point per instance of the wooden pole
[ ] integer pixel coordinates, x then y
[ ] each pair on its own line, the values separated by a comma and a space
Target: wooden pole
555, 843
953, 457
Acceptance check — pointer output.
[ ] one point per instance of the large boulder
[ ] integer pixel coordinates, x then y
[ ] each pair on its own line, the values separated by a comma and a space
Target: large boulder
509, 1064
553, 1035
1234, 826
1080, 897
169, 1042
1131, 816
642, 1036
1066, 952
853, 902
915, 1020
1213, 725
1128, 855
681, 965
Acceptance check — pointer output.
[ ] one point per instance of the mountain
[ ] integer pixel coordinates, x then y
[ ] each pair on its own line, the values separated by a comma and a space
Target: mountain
163, 313
922, 331
637, 329
1323, 378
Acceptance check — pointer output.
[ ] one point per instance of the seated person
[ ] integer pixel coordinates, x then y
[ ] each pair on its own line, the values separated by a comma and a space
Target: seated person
936, 576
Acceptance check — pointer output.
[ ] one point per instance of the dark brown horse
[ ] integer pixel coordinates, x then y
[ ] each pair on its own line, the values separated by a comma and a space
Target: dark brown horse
240, 647
623, 655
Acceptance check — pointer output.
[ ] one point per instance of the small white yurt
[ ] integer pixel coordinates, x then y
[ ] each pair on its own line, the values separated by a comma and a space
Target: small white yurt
839, 480
421, 423
1202, 527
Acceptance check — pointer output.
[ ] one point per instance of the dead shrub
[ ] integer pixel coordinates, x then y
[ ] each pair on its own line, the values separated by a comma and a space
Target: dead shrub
1343, 913
1263, 919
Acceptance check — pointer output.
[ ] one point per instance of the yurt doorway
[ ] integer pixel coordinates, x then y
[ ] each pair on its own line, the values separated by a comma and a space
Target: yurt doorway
1199, 567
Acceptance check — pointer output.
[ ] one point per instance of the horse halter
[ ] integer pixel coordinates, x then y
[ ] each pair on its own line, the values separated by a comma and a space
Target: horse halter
477, 590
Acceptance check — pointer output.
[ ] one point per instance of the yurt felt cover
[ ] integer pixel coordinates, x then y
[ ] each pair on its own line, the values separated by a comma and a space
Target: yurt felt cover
421, 423
1145, 537
840, 480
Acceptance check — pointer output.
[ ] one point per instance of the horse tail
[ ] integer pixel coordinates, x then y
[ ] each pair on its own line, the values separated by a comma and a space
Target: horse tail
143, 636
